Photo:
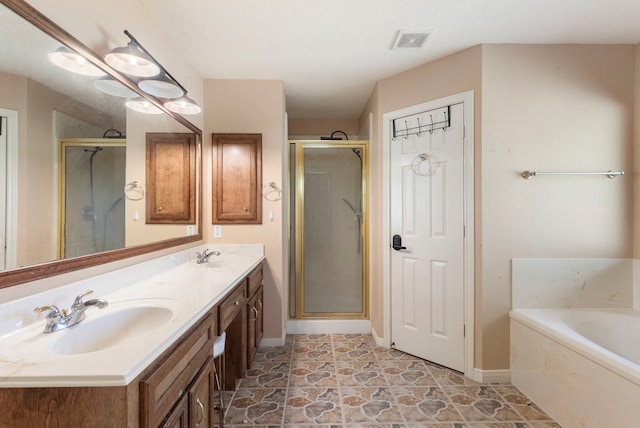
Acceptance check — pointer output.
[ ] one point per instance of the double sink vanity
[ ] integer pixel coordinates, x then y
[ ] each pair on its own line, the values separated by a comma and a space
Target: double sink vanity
146, 358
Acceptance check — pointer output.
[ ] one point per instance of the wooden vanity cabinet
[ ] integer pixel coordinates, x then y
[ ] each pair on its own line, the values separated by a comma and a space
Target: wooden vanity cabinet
181, 379
255, 314
233, 319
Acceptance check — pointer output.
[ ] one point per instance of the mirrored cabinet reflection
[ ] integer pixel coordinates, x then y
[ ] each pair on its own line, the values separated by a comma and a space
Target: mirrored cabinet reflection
171, 178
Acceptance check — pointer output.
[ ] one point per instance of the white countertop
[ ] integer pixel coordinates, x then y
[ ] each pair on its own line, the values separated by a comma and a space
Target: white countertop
31, 358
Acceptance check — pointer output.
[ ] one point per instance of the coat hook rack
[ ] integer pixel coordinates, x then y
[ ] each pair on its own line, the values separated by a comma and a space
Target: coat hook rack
610, 174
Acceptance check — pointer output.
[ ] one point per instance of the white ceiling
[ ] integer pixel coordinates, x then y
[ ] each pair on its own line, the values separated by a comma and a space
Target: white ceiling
330, 53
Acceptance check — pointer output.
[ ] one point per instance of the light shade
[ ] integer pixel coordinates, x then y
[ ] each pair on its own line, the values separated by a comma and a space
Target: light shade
111, 86
72, 61
131, 60
161, 86
143, 106
183, 105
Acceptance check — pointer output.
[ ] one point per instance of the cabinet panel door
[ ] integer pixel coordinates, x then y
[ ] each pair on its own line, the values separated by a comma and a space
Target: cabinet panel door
201, 398
237, 175
171, 178
179, 416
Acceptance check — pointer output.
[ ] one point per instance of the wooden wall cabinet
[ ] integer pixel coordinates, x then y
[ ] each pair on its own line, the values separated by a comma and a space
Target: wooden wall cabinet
237, 175
171, 178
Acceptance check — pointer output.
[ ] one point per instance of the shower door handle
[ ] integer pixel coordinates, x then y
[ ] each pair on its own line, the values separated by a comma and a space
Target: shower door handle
396, 243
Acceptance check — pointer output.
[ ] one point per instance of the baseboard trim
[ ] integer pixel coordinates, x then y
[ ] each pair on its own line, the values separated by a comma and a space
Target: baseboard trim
492, 376
328, 327
379, 340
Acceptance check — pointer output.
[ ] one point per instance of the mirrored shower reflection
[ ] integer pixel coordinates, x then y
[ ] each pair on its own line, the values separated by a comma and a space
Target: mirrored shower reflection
94, 206
332, 281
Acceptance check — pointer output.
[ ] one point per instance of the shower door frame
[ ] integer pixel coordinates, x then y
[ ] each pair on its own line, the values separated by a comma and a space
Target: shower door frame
74, 142
298, 205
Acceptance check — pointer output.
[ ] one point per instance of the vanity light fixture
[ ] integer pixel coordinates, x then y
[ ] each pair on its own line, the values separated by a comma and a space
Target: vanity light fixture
110, 86
72, 61
183, 105
142, 106
132, 60
161, 86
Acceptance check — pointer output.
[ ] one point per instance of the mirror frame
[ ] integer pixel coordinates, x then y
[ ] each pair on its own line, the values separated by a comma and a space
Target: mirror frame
35, 272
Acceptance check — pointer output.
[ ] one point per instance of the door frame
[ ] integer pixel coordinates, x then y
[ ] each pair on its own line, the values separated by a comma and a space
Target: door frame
298, 203
11, 219
467, 99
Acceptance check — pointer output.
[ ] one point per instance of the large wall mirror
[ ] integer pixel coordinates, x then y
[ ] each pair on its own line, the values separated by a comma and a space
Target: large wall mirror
73, 159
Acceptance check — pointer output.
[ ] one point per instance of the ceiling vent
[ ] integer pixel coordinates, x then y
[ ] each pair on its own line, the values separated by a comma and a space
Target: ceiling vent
411, 39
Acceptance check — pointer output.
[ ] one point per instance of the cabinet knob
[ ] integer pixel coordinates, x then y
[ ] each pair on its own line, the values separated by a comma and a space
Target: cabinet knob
159, 209
245, 209
237, 303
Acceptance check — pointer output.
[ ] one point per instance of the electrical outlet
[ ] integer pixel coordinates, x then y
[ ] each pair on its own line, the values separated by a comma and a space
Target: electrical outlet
191, 230
217, 231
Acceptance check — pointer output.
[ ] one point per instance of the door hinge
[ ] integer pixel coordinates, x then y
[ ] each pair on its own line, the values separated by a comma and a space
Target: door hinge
464, 232
464, 330
464, 132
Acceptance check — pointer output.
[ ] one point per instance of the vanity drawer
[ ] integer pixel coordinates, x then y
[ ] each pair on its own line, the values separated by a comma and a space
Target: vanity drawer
231, 305
255, 280
169, 379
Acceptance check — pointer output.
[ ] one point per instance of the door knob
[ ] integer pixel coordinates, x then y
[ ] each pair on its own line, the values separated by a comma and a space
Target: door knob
396, 243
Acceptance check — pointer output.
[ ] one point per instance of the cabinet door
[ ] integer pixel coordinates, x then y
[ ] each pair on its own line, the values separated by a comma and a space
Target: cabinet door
237, 175
201, 398
255, 329
179, 416
171, 178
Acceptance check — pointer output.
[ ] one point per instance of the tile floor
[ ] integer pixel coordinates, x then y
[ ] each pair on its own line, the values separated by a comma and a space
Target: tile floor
346, 381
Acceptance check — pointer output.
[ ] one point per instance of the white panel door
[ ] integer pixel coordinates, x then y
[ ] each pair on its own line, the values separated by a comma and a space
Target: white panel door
427, 212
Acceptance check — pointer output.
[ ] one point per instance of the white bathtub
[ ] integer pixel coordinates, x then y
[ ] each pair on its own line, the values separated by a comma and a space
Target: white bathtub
582, 366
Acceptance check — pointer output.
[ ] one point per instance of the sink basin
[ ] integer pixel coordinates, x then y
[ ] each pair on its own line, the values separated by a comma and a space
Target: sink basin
228, 261
120, 322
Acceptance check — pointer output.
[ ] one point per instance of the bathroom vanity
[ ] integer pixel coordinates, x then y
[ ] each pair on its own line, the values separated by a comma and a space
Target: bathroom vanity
145, 360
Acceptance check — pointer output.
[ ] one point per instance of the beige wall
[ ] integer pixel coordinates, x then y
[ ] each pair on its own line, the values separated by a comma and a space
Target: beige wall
252, 106
551, 108
538, 108
315, 128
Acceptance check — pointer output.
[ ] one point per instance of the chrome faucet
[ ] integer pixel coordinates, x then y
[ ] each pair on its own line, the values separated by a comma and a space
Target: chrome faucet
203, 257
60, 319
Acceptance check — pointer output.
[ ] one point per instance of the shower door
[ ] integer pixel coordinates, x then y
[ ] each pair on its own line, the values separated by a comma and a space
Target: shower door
92, 205
328, 223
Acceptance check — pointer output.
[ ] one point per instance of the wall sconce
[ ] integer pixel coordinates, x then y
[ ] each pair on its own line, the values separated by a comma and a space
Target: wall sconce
72, 61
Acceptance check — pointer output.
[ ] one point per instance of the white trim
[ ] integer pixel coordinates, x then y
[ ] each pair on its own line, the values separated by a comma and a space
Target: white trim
379, 340
11, 252
328, 326
492, 376
467, 99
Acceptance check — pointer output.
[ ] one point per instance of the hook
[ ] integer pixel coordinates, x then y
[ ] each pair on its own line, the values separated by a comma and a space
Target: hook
444, 128
406, 130
418, 133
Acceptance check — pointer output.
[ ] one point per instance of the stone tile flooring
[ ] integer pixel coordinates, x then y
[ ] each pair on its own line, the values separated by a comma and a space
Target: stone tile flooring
346, 381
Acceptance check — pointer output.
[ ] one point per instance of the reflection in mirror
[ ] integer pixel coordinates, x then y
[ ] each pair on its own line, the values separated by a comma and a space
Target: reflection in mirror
65, 175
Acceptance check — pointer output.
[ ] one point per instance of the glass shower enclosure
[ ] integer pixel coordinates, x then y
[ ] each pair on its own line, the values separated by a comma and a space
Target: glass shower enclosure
91, 196
328, 223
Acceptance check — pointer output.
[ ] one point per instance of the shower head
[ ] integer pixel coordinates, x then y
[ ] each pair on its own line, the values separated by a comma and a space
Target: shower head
335, 138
